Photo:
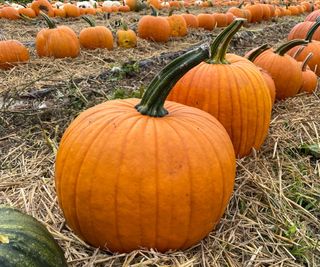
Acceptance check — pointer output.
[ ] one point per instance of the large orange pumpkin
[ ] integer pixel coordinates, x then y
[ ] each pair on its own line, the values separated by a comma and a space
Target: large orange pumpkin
12, 52
57, 42
153, 174
233, 90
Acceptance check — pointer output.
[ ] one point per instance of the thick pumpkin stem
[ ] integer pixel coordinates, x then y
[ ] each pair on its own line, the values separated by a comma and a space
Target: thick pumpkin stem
50, 22
312, 30
257, 52
305, 62
282, 49
220, 44
90, 21
152, 102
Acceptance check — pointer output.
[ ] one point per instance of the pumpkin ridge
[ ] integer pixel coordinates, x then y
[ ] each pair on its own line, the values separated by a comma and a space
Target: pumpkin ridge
169, 123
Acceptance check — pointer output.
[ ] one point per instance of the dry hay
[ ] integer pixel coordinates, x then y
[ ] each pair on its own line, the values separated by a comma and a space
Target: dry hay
273, 216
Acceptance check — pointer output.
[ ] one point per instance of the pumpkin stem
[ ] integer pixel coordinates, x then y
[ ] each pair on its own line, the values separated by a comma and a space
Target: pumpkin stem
152, 102
50, 22
220, 44
306, 61
154, 11
312, 30
298, 52
257, 52
241, 4
282, 49
90, 21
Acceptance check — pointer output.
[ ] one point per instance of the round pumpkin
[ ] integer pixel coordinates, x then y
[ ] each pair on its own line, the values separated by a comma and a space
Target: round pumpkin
310, 79
233, 90
178, 25
136, 174
154, 27
126, 38
57, 42
300, 31
12, 52
95, 37
10, 13
42, 6
26, 242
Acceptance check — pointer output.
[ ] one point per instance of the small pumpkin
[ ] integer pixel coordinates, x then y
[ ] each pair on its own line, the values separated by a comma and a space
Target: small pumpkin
162, 173
10, 13
42, 6
178, 25
284, 70
71, 10
95, 37
310, 79
191, 20
154, 27
27, 11
57, 42
26, 242
12, 52
126, 38
206, 21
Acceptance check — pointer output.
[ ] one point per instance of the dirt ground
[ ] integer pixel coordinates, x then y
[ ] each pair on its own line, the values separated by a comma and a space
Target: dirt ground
273, 216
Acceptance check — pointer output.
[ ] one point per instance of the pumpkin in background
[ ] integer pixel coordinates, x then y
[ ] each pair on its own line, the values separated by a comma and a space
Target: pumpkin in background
10, 13
154, 27
44, 6
310, 79
300, 31
284, 70
233, 91
126, 38
29, 12
57, 42
26, 242
59, 12
221, 19
312, 46
12, 52
95, 37
71, 10
178, 25
136, 174
191, 20
206, 21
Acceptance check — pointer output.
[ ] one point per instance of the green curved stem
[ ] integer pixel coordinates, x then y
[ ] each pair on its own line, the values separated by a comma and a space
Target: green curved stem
152, 102
306, 61
257, 52
154, 11
90, 21
312, 30
220, 44
281, 50
49, 21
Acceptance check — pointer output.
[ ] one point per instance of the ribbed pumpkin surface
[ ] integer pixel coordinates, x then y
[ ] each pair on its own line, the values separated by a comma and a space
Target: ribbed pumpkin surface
236, 94
25, 242
125, 180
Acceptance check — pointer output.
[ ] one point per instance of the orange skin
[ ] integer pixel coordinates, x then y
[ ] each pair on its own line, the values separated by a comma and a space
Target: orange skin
314, 48
96, 37
59, 42
221, 19
310, 81
178, 26
71, 10
206, 21
59, 12
313, 16
126, 181
230, 92
300, 30
44, 6
191, 20
10, 13
270, 83
284, 70
154, 28
126, 38
29, 12
12, 52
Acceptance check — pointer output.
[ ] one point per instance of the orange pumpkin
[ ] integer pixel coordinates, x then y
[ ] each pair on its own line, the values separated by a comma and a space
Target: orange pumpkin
206, 21
126, 38
310, 79
233, 90
57, 42
71, 10
12, 52
44, 6
10, 13
178, 25
29, 12
284, 70
150, 173
191, 20
95, 37
59, 12
154, 27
